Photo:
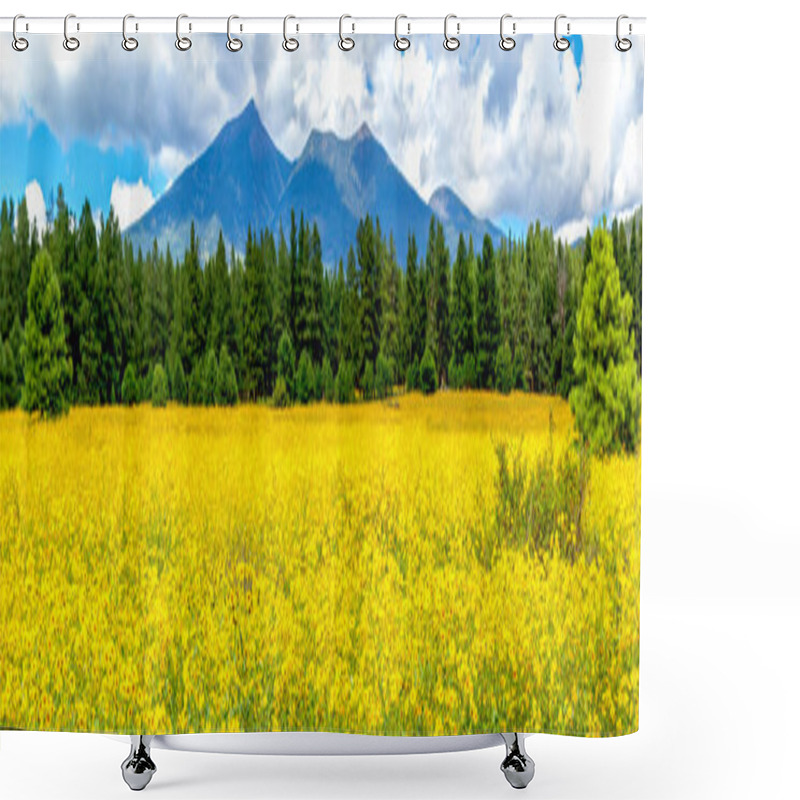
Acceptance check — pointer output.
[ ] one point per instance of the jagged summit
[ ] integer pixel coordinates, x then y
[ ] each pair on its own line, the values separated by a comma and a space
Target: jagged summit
242, 180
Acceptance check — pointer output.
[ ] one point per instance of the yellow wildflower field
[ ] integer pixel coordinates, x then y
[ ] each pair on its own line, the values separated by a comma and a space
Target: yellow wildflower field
316, 568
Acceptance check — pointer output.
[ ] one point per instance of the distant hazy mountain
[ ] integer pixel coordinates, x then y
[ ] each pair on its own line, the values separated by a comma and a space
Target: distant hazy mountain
243, 179
457, 218
336, 182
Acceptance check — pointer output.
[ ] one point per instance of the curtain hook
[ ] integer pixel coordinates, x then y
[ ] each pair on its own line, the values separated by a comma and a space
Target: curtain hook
289, 45
401, 43
128, 42
233, 44
18, 42
345, 42
451, 42
507, 42
623, 45
561, 44
183, 43
71, 43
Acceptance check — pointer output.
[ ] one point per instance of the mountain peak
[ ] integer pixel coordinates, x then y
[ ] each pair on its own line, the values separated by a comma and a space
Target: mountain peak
363, 132
445, 202
250, 113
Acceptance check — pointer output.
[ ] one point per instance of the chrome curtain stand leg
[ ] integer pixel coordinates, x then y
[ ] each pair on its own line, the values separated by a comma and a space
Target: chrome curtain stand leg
517, 766
138, 768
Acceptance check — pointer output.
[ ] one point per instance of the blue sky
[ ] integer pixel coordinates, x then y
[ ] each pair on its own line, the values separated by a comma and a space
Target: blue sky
521, 135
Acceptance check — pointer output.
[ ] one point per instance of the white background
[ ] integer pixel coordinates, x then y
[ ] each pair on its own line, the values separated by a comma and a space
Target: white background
720, 603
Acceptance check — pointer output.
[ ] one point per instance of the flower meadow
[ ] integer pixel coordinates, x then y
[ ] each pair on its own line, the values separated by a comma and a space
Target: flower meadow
344, 568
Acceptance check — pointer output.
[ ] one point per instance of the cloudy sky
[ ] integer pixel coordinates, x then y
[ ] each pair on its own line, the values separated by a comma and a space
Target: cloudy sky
521, 135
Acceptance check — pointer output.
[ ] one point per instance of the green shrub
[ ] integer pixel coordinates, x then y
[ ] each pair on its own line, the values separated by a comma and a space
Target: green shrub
540, 504
160, 391
9, 390
286, 359
427, 372
130, 386
383, 376
412, 376
226, 392
345, 383
210, 369
304, 379
327, 381
469, 372
368, 382
196, 389
146, 386
280, 394
180, 392
503, 369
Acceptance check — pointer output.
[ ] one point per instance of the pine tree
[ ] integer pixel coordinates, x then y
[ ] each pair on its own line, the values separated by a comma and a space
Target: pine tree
9, 304
195, 325
104, 345
220, 315
350, 335
438, 270
286, 363
48, 369
9, 390
180, 391
607, 399
462, 311
210, 371
487, 316
391, 334
316, 271
257, 320
23, 256
369, 319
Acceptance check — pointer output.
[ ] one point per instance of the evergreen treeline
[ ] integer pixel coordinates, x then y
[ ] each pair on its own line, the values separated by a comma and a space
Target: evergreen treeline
273, 323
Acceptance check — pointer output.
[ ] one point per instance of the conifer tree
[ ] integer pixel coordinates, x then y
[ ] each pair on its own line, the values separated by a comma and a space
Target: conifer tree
48, 369
607, 399
487, 314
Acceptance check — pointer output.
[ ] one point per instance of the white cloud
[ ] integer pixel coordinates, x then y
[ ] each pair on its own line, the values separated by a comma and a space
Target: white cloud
509, 132
130, 201
37, 211
627, 188
572, 231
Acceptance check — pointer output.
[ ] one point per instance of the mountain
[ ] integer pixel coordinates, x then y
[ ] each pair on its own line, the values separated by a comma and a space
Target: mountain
457, 218
337, 181
237, 181
243, 179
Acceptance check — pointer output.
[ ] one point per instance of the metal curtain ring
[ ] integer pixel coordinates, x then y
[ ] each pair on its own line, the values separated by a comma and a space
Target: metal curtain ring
19, 43
71, 43
345, 42
128, 42
289, 45
451, 42
233, 44
507, 42
623, 45
401, 43
183, 43
561, 44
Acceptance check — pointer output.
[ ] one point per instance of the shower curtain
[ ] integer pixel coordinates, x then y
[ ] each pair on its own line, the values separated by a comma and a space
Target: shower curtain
321, 385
